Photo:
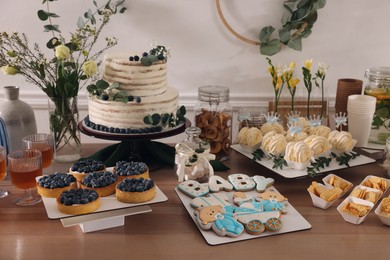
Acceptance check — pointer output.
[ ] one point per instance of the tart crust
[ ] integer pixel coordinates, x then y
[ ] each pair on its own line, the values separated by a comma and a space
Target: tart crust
80, 175
135, 197
78, 208
54, 193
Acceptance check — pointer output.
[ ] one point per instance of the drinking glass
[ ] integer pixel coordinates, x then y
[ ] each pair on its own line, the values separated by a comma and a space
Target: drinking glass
3, 169
24, 166
42, 142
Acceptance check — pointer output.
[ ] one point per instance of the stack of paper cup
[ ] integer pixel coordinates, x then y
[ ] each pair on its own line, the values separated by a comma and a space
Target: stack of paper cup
361, 109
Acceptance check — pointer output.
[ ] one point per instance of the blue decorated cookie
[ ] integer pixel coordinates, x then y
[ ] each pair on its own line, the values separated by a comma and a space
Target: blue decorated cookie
212, 199
262, 183
193, 189
241, 182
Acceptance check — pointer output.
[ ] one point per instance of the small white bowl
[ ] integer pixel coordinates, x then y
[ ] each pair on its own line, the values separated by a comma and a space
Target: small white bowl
350, 218
319, 202
385, 192
327, 178
385, 220
362, 187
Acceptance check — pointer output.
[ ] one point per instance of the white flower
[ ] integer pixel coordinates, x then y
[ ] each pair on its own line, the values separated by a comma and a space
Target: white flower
9, 70
89, 68
322, 68
62, 52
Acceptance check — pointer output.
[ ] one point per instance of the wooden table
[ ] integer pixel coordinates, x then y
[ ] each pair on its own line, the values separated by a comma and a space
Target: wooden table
168, 232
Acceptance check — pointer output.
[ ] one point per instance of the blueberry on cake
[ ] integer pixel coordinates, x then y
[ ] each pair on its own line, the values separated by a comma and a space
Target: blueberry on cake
51, 186
78, 201
102, 182
131, 170
83, 167
135, 190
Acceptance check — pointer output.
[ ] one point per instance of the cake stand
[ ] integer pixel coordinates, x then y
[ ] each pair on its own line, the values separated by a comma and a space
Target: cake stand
133, 146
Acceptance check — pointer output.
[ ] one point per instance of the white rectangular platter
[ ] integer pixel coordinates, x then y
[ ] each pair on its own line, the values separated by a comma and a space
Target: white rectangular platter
292, 221
109, 203
292, 173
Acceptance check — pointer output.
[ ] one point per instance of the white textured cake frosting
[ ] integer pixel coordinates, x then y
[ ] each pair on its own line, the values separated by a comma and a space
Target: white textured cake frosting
131, 115
318, 144
274, 143
298, 152
135, 78
144, 89
341, 141
295, 137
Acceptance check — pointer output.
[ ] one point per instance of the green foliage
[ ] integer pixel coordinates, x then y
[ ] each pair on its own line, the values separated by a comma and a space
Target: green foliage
278, 161
297, 23
166, 119
317, 165
345, 158
258, 154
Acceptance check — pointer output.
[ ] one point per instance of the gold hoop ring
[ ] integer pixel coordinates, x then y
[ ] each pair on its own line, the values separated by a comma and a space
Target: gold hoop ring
239, 36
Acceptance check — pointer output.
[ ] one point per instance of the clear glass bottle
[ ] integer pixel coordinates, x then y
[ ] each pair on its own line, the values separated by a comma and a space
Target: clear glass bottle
213, 115
192, 157
378, 85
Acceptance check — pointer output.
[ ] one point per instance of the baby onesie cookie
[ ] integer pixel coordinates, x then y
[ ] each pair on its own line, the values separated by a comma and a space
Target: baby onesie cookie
217, 183
241, 198
241, 182
211, 199
220, 221
193, 188
262, 183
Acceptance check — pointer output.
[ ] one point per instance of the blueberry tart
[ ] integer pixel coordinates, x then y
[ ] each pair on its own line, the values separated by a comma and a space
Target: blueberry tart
131, 170
83, 167
135, 190
78, 201
102, 182
51, 186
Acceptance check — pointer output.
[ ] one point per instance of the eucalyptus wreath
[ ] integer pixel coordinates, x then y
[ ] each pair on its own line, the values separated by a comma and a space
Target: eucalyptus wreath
297, 21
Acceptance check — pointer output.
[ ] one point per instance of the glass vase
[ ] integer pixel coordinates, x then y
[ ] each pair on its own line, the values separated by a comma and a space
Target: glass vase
64, 118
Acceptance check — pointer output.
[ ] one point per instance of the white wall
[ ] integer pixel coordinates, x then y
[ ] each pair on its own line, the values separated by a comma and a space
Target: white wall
350, 36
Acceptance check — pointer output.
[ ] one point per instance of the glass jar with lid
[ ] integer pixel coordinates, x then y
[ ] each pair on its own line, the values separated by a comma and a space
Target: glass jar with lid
213, 115
192, 158
378, 85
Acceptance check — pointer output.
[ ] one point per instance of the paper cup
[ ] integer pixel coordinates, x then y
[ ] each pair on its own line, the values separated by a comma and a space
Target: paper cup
359, 125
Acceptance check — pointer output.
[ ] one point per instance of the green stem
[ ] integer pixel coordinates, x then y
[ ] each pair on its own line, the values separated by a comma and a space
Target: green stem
308, 105
322, 97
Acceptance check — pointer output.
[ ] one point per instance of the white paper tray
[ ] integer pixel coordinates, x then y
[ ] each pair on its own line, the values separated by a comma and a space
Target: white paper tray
292, 221
291, 173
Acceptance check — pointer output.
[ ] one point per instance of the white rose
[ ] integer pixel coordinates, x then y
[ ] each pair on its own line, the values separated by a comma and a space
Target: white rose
62, 52
89, 68
9, 70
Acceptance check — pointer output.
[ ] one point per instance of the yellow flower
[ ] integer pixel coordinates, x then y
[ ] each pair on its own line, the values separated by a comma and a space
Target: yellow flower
89, 68
293, 82
278, 84
9, 70
308, 63
62, 52
292, 66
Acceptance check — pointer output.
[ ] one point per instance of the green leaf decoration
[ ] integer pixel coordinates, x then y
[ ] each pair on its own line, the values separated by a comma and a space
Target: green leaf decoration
122, 10
156, 119
43, 15
148, 120
258, 155
284, 35
146, 62
102, 84
295, 43
52, 43
266, 33
52, 27
270, 48
80, 23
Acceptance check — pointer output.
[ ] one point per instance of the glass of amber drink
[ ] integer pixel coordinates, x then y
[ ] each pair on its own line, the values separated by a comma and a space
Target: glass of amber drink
3, 169
42, 142
24, 166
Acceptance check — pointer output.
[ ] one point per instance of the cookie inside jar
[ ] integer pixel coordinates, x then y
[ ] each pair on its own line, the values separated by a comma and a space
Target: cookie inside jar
213, 115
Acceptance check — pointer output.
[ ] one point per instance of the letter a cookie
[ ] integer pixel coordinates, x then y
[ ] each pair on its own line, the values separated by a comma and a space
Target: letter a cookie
217, 183
262, 183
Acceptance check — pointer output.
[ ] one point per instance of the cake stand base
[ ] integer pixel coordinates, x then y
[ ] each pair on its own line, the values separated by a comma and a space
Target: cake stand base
103, 220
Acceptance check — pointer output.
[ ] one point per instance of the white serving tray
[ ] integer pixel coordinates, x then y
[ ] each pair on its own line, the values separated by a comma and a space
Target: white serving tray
111, 212
292, 173
292, 221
